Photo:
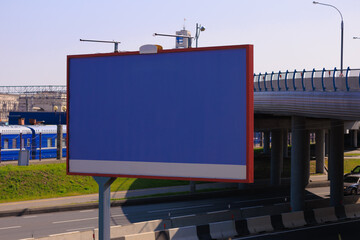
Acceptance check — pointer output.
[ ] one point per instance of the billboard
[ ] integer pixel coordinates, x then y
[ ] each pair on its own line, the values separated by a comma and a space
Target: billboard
178, 114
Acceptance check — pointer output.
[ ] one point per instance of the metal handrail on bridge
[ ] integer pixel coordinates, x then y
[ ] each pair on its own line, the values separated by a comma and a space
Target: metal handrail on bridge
334, 74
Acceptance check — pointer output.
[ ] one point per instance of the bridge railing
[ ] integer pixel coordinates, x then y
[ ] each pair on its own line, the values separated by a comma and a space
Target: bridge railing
313, 80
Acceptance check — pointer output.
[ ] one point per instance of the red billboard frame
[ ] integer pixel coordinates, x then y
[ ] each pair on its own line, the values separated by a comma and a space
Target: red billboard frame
249, 113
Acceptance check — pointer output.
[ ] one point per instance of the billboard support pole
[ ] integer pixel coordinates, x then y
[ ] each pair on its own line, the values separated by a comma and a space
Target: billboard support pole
0, 146
59, 146
40, 147
104, 206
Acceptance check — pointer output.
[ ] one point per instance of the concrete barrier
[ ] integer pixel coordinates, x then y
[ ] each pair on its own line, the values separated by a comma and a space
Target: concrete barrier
352, 210
140, 236
260, 224
276, 222
135, 228
163, 230
293, 219
241, 227
158, 235
184, 233
323, 215
223, 230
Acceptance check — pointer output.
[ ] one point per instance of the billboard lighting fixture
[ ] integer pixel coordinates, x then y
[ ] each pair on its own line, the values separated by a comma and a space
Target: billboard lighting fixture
116, 43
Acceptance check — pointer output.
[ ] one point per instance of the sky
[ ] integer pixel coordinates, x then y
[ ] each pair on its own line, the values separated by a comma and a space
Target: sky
37, 35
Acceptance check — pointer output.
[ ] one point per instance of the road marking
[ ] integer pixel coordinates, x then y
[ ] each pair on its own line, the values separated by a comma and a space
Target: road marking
59, 234
310, 194
191, 215
112, 226
30, 216
86, 219
4, 228
76, 229
254, 200
87, 211
171, 209
220, 211
76, 220
251, 207
278, 204
26, 238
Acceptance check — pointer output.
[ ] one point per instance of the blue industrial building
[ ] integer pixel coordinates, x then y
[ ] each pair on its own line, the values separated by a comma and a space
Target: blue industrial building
48, 118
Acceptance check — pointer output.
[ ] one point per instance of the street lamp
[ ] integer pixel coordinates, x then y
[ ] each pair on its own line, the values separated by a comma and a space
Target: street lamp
199, 29
342, 31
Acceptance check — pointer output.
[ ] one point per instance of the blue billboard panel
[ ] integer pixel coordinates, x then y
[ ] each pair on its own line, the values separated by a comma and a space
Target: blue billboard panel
177, 114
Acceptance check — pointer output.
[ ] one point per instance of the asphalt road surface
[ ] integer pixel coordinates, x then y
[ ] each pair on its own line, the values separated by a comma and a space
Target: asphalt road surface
41, 225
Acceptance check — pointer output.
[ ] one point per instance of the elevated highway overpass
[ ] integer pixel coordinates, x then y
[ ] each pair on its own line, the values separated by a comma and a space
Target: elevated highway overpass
326, 102
318, 94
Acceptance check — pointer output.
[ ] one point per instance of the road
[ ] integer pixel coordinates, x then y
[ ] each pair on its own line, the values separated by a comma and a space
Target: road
29, 226
332, 231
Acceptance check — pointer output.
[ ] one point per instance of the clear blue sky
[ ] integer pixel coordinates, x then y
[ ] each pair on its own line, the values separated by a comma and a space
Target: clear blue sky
37, 35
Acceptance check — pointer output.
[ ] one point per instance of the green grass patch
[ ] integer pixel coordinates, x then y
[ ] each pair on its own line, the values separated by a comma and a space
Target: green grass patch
20, 183
349, 164
46, 181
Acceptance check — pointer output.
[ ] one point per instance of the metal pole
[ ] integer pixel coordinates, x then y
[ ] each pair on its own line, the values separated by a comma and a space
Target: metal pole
342, 31
116, 44
0, 146
59, 141
197, 34
192, 186
40, 147
342, 45
104, 206
20, 141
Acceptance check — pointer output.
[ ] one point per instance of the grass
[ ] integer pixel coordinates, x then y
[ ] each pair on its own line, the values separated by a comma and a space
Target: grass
349, 164
20, 183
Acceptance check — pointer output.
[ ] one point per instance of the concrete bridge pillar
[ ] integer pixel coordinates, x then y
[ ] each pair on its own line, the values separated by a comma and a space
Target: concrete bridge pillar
285, 144
354, 136
307, 158
327, 143
336, 162
320, 150
300, 138
276, 156
267, 142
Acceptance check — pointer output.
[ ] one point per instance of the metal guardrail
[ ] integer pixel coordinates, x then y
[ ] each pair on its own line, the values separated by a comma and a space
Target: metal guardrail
302, 75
